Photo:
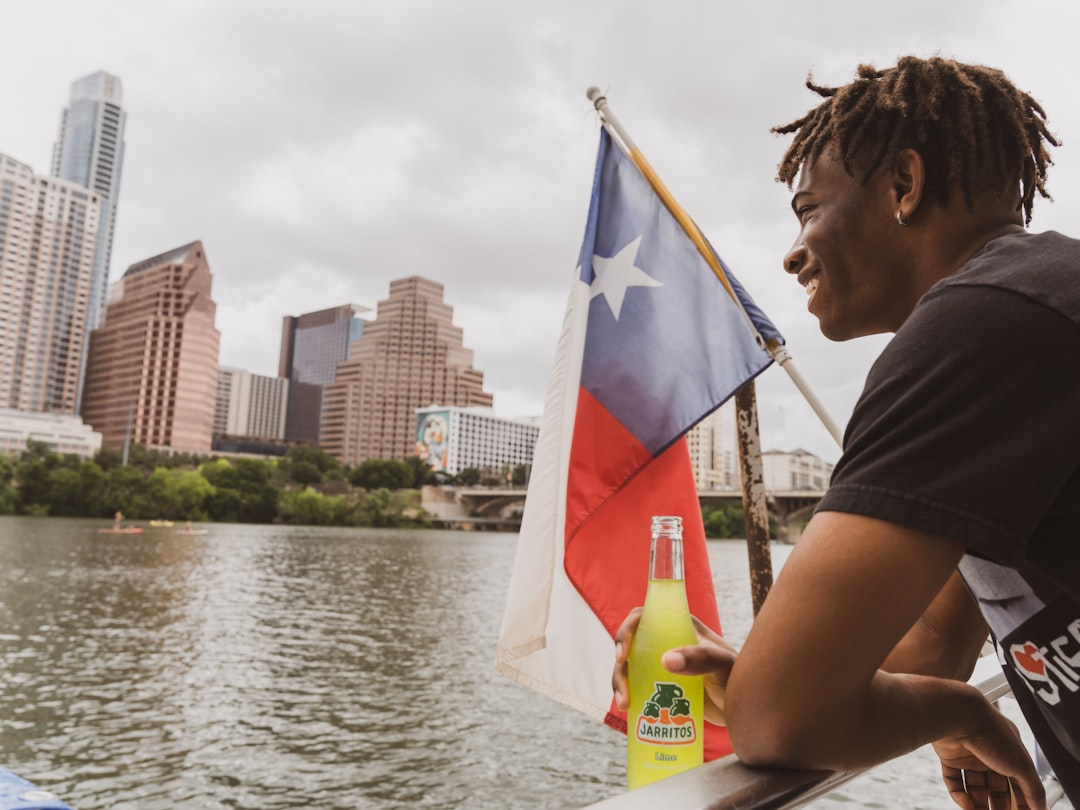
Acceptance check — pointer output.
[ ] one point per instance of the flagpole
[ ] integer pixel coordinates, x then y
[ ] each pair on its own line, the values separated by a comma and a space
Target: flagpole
778, 351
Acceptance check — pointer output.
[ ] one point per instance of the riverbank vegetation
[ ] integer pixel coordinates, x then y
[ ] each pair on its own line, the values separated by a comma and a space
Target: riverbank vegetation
304, 487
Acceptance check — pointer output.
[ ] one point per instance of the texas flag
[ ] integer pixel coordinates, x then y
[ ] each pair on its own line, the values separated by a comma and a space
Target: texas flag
652, 342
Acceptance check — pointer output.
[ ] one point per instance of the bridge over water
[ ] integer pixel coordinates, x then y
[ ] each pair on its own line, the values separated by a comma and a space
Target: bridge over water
500, 508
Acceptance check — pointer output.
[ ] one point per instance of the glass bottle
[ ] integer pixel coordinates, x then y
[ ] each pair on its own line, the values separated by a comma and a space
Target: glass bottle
665, 723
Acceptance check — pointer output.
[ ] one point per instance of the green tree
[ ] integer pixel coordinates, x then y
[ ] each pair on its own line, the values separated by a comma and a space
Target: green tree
220, 473
379, 507
305, 472
32, 477
109, 458
312, 455
122, 492
309, 508
723, 521
382, 473
193, 492
225, 506
244, 492
469, 477
177, 494
422, 474
7, 484
76, 491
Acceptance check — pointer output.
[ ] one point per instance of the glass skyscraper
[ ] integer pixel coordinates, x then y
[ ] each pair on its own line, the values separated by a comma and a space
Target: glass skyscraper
90, 152
311, 347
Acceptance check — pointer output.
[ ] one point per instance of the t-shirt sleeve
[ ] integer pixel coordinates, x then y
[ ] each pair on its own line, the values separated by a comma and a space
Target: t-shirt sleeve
967, 427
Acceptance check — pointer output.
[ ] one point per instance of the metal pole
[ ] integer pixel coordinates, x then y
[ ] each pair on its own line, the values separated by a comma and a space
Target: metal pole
755, 508
127, 433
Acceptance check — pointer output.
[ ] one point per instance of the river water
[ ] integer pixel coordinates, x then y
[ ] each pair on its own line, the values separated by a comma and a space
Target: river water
263, 667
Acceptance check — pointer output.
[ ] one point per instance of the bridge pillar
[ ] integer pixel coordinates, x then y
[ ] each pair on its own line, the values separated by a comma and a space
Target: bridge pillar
789, 524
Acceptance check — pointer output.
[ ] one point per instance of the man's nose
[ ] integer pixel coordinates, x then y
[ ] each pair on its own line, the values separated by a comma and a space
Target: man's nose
795, 258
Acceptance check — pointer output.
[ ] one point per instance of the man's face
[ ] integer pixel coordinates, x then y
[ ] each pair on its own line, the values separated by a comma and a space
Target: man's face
847, 254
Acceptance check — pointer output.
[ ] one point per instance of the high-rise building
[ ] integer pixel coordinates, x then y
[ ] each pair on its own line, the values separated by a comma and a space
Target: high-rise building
311, 347
713, 455
90, 152
410, 356
48, 236
152, 369
450, 439
250, 405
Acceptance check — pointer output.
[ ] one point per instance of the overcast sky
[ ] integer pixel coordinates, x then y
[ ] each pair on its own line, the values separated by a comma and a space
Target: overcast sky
321, 149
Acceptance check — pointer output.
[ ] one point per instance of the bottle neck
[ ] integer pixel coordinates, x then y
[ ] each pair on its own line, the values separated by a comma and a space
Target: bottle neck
666, 558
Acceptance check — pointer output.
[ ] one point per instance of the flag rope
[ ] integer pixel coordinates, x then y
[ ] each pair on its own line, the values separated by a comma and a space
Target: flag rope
779, 352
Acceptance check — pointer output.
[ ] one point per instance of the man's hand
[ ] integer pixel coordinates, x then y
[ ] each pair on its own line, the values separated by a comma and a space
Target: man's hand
990, 769
712, 657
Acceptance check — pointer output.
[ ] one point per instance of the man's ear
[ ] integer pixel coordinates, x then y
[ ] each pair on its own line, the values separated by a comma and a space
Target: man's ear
908, 182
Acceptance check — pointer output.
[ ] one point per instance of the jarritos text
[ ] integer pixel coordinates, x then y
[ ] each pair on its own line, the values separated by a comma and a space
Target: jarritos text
665, 719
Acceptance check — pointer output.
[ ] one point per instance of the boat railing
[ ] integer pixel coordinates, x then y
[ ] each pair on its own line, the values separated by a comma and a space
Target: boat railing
727, 784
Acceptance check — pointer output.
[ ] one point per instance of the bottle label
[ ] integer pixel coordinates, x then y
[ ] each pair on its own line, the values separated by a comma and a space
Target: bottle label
665, 718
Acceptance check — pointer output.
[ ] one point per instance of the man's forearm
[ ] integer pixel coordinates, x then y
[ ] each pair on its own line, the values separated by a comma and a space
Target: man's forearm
895, 715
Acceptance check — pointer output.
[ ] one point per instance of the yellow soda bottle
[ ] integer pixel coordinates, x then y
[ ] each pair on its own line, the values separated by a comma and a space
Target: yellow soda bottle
665, 722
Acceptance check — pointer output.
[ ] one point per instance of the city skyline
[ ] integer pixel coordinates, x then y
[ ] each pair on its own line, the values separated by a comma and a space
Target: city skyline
321, 152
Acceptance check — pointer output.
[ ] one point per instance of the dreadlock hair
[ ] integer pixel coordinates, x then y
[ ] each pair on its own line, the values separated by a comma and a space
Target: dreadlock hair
968, 122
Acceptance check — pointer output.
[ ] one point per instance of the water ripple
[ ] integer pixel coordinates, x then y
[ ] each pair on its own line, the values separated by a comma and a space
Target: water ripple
274, 667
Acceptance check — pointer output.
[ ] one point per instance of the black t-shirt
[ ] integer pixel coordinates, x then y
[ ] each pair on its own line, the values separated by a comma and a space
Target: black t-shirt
969, 428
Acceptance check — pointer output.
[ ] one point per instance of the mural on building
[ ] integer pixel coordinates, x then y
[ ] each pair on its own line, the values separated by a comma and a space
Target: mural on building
432, 439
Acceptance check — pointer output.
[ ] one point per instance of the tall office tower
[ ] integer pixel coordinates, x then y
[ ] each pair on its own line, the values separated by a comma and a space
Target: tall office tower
90, 152
48, 235
250, 405
311, 347
410, 356
711, 443
151, 374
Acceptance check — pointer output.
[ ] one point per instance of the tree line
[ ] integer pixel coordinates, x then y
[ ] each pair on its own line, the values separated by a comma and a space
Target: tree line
306, 486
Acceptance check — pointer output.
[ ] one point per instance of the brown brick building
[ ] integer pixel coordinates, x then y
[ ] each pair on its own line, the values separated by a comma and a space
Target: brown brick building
409, 357
155, 357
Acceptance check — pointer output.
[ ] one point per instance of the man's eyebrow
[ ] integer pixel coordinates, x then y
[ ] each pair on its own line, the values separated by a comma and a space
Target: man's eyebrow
795, 198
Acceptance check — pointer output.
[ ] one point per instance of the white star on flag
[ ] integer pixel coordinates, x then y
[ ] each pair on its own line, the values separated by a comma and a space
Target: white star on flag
615, 274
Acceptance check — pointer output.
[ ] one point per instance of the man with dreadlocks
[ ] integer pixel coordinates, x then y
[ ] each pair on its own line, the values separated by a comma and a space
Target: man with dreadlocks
956, 503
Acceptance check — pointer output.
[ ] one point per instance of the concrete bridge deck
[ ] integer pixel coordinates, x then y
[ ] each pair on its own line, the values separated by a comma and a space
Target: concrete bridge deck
501, 507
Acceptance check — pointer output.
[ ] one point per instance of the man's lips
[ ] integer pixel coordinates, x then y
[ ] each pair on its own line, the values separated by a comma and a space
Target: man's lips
810, 283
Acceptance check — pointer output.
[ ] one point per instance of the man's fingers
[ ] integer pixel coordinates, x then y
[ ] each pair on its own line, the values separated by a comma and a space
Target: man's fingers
626, 632
975, 788
699, 660
619, 685
954, 783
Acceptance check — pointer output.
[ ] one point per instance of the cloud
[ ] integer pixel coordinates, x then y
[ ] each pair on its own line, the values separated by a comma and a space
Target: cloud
320, 150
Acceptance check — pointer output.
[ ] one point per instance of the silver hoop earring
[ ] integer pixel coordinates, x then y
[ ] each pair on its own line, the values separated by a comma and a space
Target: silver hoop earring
900, 219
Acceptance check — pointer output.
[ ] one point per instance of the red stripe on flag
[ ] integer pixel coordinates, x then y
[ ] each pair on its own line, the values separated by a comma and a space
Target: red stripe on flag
614, 487
603, 455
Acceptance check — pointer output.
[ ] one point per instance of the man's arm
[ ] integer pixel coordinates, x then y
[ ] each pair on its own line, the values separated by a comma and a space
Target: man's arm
807, 690
946, 640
